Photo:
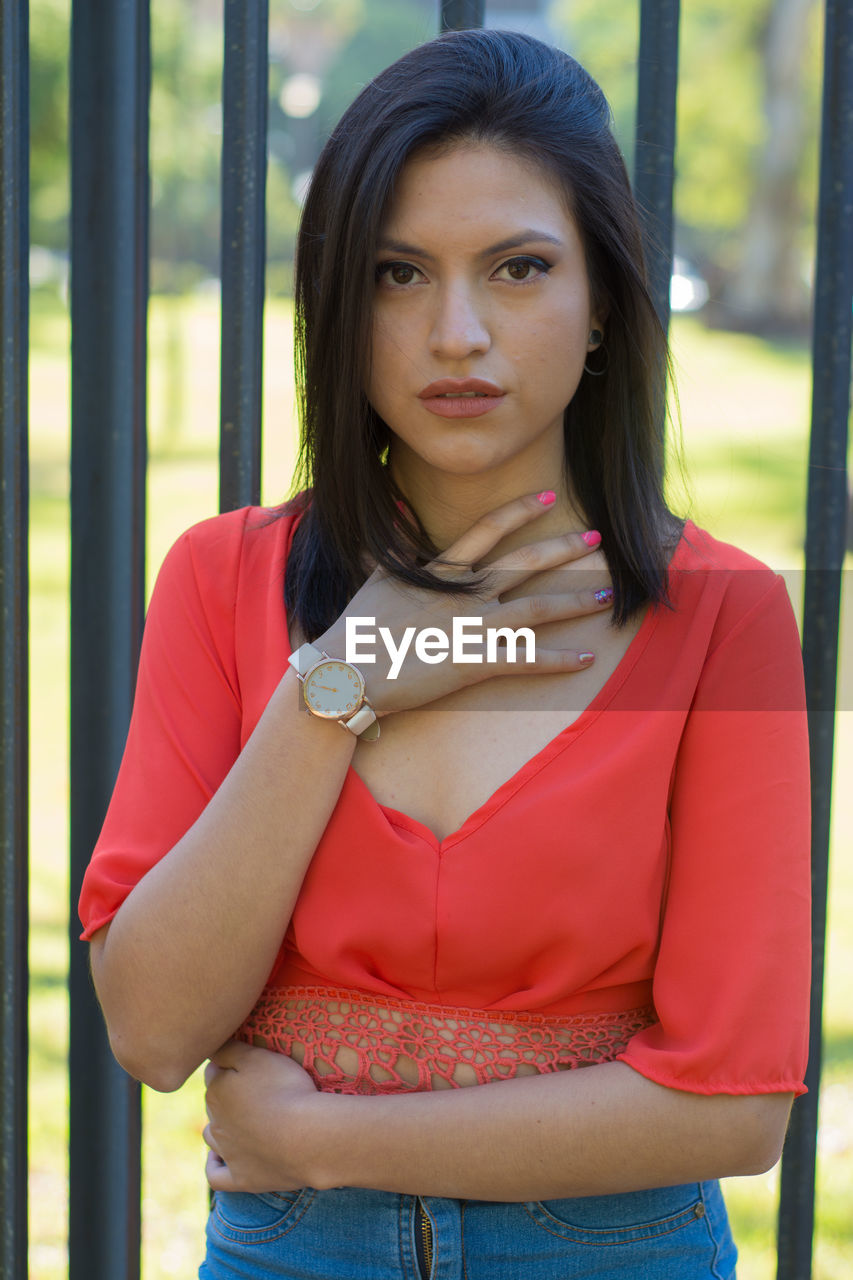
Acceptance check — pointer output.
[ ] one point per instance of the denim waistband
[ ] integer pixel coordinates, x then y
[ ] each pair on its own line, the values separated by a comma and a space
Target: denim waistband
669, 1233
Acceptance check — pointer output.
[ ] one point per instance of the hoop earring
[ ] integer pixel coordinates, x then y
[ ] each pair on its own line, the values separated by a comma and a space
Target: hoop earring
598, 373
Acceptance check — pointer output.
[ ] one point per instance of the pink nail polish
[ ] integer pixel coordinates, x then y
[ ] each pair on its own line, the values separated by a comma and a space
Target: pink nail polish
591, 538
586, 658
547, 498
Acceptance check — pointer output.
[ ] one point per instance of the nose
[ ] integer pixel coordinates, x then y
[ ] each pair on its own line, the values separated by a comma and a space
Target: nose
460, 325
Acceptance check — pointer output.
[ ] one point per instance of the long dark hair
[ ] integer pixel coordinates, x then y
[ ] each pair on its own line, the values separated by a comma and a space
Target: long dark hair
512, 91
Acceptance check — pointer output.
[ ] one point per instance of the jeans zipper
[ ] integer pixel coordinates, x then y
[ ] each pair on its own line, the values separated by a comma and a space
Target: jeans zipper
423, 1239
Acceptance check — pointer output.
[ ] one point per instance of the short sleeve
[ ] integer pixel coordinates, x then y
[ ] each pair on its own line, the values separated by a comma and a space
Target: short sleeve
732, 976
187, 683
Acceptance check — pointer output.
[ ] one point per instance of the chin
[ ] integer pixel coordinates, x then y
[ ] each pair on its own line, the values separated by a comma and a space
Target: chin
467, 458
467, 470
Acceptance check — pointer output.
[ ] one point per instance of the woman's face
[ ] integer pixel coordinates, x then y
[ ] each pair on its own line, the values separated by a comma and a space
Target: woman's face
481, 319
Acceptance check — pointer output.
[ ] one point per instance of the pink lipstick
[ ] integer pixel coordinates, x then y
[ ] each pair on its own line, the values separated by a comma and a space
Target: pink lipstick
461, 397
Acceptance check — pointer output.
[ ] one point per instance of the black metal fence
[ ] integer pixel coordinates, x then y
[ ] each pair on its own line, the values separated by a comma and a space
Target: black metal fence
14, 749
109, 143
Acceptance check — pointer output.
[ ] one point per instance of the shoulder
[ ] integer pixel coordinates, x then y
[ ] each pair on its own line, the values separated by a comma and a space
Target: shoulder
222, 545
699, 550
227, 557
735, 613
236, 533
722, 575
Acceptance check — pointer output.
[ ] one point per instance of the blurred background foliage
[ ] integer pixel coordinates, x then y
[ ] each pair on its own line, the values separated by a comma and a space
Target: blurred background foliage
747, 128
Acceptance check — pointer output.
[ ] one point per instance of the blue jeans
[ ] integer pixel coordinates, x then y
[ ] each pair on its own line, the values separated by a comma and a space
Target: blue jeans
673, 1233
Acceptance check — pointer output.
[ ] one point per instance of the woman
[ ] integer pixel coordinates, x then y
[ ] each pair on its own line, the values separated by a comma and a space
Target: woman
593, 860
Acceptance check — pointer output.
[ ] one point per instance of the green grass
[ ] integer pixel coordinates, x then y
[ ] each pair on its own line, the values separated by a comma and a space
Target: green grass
744, 408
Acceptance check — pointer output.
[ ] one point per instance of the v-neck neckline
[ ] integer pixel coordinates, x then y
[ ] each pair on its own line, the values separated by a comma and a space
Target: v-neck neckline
535, 763
541, 758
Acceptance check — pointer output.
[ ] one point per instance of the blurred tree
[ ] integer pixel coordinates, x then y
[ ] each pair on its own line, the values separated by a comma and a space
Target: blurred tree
49, 179
769, 292
341, 43
185, 142
730, 123
389, 28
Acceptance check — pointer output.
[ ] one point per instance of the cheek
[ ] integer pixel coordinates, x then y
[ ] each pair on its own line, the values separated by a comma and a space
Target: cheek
383, 365
379, 343
551, 364
573, 321
569, 332
397, 350
557, 343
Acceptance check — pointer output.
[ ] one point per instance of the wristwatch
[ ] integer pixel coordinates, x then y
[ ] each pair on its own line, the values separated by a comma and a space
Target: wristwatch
334, 690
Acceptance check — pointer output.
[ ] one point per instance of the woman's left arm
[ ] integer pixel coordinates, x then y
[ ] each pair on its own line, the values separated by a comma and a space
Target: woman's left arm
597, 1130
706, 1091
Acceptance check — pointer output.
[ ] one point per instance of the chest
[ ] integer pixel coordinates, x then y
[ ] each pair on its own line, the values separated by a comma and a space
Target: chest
440, 763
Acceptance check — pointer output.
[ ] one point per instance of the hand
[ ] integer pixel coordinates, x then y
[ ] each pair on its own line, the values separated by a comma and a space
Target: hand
252, 1107
401, 608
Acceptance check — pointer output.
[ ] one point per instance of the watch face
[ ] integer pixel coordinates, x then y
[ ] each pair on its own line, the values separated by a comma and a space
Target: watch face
333, 689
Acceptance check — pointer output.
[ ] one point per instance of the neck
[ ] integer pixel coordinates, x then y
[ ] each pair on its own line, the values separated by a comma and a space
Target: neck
448, 506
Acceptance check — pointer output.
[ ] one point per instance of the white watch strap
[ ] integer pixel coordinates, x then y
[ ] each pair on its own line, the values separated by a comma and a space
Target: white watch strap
363, 723
304, 658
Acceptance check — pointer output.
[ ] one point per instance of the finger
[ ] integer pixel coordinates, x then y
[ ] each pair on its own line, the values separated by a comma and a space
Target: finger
209, 1101
534, 611
534, 557
232, 1055
217, 1172
479, 540
547, 661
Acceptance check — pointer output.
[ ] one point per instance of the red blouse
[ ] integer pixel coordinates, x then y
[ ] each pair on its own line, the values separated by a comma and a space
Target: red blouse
641, 884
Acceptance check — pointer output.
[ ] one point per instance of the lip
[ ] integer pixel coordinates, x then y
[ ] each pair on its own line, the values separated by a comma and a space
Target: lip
449, 386
447, 399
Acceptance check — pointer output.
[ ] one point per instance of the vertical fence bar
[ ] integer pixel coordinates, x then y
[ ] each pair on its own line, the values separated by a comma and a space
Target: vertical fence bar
14, 322
462, 15
825, 543
110, 74
244, 167
654, 168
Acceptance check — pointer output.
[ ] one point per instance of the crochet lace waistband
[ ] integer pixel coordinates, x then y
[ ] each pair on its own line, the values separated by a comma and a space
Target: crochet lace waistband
349, 1042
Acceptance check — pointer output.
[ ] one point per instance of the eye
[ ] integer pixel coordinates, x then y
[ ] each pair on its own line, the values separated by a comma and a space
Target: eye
396, 273
522, 270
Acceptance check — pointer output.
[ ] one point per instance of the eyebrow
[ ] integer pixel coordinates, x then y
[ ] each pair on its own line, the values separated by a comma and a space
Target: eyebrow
530, 235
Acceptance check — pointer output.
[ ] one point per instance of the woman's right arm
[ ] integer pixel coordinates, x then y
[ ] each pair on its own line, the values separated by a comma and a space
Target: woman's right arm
186, 954
181, 964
